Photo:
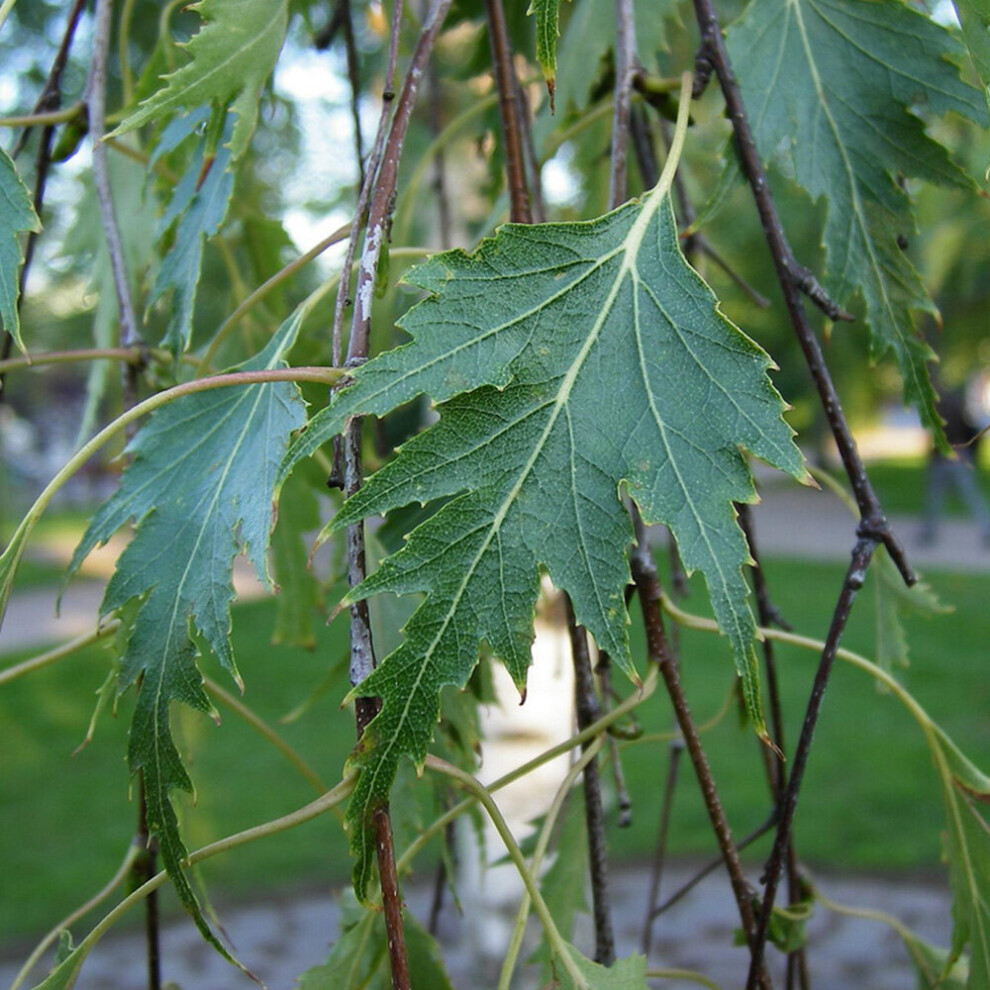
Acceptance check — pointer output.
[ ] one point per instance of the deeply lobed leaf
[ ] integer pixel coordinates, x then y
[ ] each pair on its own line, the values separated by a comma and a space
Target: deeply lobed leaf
232, 56
574, 361
200, 486
16, 215
831, 88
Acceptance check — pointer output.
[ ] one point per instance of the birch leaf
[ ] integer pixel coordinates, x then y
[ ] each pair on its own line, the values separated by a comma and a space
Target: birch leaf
16, 216
574, 362
231, 58
200, 488
974, 18
832, 88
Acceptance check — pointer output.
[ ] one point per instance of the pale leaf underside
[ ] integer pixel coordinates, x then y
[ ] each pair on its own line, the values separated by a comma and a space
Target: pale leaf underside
574, 361
831, 87
200, 487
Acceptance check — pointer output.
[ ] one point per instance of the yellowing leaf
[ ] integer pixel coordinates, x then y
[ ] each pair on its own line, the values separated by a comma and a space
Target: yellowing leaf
574, 362
232, 56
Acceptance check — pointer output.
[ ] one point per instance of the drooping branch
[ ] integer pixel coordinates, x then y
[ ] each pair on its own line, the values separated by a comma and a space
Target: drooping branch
644, 574
793, 280
96, 98
588, 711
509, 112
855, 576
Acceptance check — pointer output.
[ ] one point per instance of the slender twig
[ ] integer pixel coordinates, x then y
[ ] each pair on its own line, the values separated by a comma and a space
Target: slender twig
44, 117
794, 279
382, 202
543, 841
710, 867
682, 974
855, 575
598, 727
484, 798
509, 112
364, 196
674, 752
354, 78
534, 179
797, 964
266, 287
588, 711
604, 671
96, 95
625, 71
308, 812
133, 851
648, 587
267, 732
434, 95
58, 653
49, 99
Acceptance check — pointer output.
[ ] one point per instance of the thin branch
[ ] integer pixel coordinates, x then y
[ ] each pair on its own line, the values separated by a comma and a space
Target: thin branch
96, 95
267, 732
49, 99
710, 867
625, 71
364, 197
873, 524
32, 664
382, 202
509, 112
534, 178
354, 78
266, 287
434, 95
648, 586
133, 851
855, 575
674, 752
45, 117
588, 711
604, 671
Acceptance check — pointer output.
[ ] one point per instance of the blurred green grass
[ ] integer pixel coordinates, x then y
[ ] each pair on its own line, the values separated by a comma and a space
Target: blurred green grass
871, 799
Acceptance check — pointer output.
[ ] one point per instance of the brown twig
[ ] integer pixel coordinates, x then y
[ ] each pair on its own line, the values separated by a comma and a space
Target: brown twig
776, 769
49, 99
354, 77
855, 575
793, 280
604, 671
625, 69
509, 113
380, 189
711, 866
644, 574
434, 95
96, 97
587, 709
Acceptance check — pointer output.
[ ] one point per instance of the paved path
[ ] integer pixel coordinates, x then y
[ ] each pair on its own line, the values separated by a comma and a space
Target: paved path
279, 939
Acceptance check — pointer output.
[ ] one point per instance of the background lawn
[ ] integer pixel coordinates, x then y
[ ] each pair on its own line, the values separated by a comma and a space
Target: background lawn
871, 800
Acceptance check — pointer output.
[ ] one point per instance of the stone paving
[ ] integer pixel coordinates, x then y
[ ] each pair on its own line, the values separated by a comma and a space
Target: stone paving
280, 938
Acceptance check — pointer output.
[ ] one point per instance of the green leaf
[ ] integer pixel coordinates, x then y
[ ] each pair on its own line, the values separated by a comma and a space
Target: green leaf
232, 56
589, 37
974, 17
299, 591
598, 361
895, 601
359, 958
625, 974
16, 216
831, 88
932, 965
547, 14
564, 882
200, 205
967, 847
200, 487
